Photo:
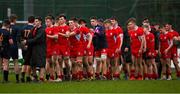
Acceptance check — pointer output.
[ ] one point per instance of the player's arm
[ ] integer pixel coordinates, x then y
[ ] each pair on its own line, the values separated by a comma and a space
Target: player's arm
61, 34
142, 39
120, 39
10, 39
72, 33
176, 37
64, 35
145, 43
90, 40
170, 46
52, 36
36, 39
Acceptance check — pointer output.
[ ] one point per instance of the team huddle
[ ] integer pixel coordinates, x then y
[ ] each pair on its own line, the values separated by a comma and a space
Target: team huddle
69, 50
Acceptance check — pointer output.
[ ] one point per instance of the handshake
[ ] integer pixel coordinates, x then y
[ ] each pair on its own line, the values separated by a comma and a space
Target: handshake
23, 42
67, 34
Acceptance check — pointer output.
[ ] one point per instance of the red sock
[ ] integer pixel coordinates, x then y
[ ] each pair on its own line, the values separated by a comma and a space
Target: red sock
77, 75
80, 75
168, 73
97, 75
41, 79
145, 75
178, 74
90, 74
139, 75
60, 76
107, 75
155, 76
74, 76
152, 76
149, 75
52, 77
85, 75
132, 73
116, 75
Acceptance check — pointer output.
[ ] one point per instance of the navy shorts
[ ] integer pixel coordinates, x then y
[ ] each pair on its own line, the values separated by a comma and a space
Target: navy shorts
127, 57
4, 53
27, 56
13, 52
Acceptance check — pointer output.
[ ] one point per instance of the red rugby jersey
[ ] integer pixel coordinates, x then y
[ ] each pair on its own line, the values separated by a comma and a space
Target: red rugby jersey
76, 39
135, 38
150, 42
111, 36
63, 41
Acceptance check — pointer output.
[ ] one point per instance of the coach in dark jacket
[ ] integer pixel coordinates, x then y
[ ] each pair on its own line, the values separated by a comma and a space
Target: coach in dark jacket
126, 47
126, 53
156, 32
38, 43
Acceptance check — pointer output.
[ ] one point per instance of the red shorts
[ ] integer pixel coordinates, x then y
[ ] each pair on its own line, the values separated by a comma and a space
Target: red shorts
174, 53
55, 50
48, 53
165, 56
88, 51
76, 51
151, 54
100, 52
119, 53
111, 53
135, 53
64, 50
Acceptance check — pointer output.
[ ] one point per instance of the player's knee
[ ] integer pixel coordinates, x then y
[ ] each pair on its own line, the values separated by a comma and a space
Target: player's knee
113, 64
85, 64
51, 65
66, 58
90, 63
5, 66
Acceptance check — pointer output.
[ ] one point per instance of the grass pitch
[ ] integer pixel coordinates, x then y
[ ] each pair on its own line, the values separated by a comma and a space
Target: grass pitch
120, 86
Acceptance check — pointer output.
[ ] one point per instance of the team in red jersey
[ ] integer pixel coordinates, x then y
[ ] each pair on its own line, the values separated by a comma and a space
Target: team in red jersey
150, 54
76, 50
137, 41
174, 55
77, 41
63, 48
166, 44
51, 41
81, 44
119, 41
88, 49
113, 50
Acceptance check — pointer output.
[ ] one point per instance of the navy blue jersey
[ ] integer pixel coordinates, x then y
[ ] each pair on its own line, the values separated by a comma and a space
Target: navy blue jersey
15, 33
26, 32
99, 38
4, 38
